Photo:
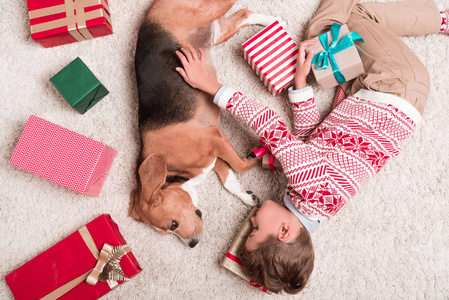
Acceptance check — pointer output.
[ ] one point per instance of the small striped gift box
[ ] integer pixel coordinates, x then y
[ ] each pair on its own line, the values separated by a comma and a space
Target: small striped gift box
340, 95
272, 55
63, 156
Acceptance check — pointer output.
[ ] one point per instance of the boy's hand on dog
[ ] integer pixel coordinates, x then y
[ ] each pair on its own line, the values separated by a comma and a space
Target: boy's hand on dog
304, 63
195, 72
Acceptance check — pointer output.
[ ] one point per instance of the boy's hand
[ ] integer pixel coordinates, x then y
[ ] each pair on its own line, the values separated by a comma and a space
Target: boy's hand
303, 63
195, 72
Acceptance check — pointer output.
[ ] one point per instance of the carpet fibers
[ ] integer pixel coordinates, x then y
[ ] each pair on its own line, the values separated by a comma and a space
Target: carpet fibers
390, 241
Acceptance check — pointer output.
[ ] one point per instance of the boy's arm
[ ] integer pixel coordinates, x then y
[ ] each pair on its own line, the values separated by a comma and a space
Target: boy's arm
305, 113
304, 109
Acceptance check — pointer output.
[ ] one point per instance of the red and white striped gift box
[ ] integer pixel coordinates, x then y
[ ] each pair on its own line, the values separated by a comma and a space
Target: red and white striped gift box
272, 55
63, 156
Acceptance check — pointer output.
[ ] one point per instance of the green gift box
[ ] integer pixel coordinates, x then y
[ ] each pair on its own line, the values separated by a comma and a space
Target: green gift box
80, 88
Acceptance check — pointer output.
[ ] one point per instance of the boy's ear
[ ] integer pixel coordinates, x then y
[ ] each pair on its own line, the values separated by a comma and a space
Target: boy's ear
284, 233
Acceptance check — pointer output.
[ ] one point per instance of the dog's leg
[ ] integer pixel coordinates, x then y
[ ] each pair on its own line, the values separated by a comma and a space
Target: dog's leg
223, 149
224, 28
232, 184
179, 15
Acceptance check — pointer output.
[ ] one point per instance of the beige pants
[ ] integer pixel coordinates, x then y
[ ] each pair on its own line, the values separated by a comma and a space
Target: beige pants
390, 65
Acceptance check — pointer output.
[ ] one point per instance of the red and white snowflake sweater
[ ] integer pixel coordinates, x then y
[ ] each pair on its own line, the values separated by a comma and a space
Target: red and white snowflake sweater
327, 164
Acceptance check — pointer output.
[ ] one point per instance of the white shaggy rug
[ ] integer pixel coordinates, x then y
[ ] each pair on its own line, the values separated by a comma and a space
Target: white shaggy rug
390, 242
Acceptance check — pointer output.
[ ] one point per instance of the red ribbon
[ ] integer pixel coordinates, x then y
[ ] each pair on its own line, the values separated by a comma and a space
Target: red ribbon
256, 285
260, 152
252, 283
234, 258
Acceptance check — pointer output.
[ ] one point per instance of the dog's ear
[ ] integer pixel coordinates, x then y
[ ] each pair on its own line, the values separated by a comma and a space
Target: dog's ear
152, 173
133, 201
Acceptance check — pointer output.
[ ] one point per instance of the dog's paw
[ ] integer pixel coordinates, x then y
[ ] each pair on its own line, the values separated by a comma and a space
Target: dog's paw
283, 22
249, 198
280, 20
259, 19
254, 199
251, 155
233, 185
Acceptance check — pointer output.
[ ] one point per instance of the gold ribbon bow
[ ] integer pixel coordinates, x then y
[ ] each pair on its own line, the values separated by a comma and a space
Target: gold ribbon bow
75, 19
107, 267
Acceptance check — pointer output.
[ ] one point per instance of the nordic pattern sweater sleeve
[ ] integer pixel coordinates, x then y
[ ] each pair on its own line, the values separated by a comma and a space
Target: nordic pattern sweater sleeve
305, 113
266, 123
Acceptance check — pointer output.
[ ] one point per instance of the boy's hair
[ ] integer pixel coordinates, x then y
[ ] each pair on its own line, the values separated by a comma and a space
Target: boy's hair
279, 265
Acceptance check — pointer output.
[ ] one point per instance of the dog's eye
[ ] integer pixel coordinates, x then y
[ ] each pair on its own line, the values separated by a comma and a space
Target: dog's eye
174, 225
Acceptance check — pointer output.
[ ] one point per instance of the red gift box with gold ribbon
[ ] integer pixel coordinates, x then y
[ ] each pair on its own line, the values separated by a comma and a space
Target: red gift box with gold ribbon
86, 265
59, 22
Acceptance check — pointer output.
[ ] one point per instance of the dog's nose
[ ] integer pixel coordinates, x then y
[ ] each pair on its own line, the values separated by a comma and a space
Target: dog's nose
199, 214
193, 243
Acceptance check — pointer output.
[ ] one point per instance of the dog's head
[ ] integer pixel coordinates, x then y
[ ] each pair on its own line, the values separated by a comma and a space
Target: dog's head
164, 206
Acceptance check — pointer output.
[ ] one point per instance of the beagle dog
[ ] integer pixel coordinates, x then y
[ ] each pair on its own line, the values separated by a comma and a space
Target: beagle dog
180, 138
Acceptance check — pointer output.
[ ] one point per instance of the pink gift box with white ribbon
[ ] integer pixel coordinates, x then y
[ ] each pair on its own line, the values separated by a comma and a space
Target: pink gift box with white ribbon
63, 156
272, 55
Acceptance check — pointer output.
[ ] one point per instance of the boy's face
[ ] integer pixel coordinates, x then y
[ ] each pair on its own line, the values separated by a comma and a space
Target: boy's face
267, 221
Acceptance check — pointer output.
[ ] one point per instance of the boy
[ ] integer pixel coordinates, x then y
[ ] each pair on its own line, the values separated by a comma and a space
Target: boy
327, 164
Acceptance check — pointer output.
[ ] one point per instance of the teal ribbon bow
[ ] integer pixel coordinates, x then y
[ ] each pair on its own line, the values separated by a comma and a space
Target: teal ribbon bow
323, 58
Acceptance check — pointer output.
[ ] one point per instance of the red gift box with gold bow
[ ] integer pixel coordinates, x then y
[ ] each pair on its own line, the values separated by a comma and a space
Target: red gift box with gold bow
86, 265
59, 22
